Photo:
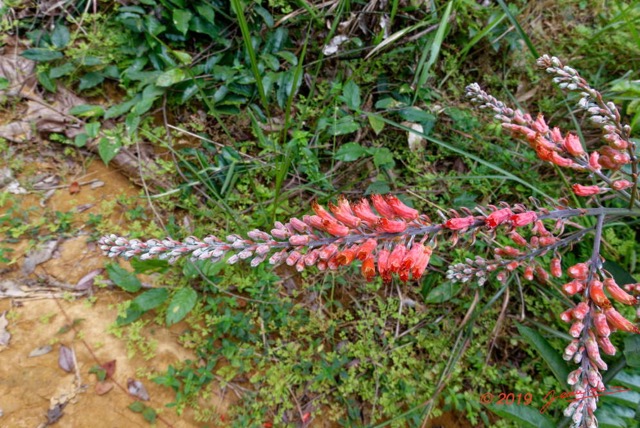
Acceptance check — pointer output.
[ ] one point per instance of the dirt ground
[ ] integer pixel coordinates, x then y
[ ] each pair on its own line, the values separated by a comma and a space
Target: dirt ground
30, 386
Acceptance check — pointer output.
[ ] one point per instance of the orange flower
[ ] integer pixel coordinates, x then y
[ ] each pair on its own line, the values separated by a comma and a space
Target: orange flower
523, 219
383, 208
343, 213
368, 269
616, 320
459, 223
618, 294
573, 145
391, 226
498, 217
396, 257
366, 248
597, 294
581, 190
363, 210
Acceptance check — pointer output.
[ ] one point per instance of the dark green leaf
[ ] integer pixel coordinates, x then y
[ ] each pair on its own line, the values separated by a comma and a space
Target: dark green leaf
151, 299
181, 20
195, 268
41, 54
523, 416
122, 108
620, 274
137, 406
632, 350
100, 373
350, 152
46, 81
107, 149
206, 12
86, 110
91, 61
181, 304
290, 57
133, 313
351, 95
416, 115
131, 123
443, 292
170, 77
379, 187
264, 13
182, 57
553, 358
81, 140
60, 36
149, 415
383, 158
123, 278
90, 80
62, 70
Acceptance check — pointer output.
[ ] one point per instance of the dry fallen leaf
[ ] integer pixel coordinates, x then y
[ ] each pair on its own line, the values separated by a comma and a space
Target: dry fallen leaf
66, 359
87, 281
137, 389
109, 368
74, 188
39, 256
103, 387
4, 334
42, 350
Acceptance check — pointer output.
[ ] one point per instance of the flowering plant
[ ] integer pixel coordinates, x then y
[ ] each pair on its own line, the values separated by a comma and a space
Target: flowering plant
392, 240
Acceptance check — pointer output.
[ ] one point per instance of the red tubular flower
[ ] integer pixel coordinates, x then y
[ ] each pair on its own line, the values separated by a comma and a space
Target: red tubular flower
383, 208
581, 190
366, 248
421, 265
299, 225
543, 275
581, 310
618, 294
556, 135
343, 213
400, 209
498, 217
520, 131
298, 240
363, 210
579, 271
573, 287
528, 273
391, 226
517, 238
540, 125
523, 219
293, 257
573, 145
594, 161
556, 268
597, 294
621, 184
383, 264
602, 327
321, 212
459, 223
368, 269
616, 320
556, 159
314, 221
334, 228
606, 345
396, 257
410, 259
327, 251
347, 256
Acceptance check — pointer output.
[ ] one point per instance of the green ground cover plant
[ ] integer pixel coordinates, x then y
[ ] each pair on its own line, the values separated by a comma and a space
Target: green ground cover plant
260, 108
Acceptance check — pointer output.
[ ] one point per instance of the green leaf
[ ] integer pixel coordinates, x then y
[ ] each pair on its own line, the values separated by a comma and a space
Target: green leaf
264, 13
351, 95
151, 299
149, 266
628, 379
170, 77
632, 350
376, 123
620, 274
193, 269
133, 313
137, 406
90, 80
377, 187
61, 70
523, 416
86, 110
122, 108
41, 54
100, 373
107, 149
60, 36
182, 57
383, 158
344, 125
149, 415
4, 83
553, 358
416, 115
181, 20
181, 303
123, 278
350, 152
81, 140
92, 129
46, 81
443, 292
